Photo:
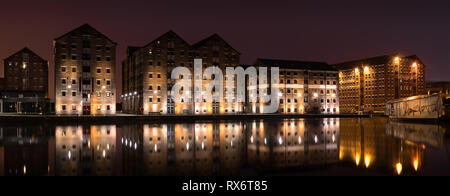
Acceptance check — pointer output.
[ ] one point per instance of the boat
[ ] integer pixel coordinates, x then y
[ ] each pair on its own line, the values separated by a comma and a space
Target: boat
423, 107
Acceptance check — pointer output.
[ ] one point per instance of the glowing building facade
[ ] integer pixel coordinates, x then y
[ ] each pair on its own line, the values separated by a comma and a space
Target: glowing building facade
147, 71
85, 62
305, 87
366, 85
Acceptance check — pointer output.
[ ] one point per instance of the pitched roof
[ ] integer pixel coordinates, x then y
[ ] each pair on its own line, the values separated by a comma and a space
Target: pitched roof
290, 64
26, 50
170, 32
373, 61
86, 26
204, 41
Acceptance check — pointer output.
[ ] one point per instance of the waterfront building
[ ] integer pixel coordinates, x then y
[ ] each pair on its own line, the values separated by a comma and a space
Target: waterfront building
24, 88
85, 62
305, 87
147, 71
366, 85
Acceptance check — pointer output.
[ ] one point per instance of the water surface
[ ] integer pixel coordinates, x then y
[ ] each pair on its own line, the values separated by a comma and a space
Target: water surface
290, 147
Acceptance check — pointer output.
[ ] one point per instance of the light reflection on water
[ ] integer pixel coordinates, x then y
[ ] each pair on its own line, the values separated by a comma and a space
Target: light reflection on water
289, 147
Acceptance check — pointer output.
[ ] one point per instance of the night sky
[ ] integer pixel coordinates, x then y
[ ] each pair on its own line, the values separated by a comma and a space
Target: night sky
317, 30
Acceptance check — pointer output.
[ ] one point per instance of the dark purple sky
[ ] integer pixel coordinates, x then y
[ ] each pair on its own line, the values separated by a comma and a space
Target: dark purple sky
316, 30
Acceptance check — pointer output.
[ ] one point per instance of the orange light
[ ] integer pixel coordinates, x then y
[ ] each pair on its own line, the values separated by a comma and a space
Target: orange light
366, 69
414, 65
397, 60
357, 159
356, 70
399, 168
416, 164
367, 160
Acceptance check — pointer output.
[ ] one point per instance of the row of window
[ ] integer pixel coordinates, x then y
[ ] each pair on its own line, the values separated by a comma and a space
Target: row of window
85, 57
75, 46
74, 93
74, 69
74, 82
74, 107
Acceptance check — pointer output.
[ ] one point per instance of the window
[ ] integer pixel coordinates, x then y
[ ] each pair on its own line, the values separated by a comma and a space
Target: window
74, 57
99, 82
63, 107
159, 99
159, 75
108, 70
150, 87
63, 93
99, 94
74, 94
99, 70
159, 88
108, 58
63, 81
108, 94
108, 107
150, 75
74, 69
63, 57
63, 69
108, 82
74, 107
74, 81
150, 99
99, 58
99, 107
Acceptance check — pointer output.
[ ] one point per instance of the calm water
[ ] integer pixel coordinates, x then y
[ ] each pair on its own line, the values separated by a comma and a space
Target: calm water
289, 147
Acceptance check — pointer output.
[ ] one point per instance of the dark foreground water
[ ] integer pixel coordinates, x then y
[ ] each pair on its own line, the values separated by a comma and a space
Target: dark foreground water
289, 147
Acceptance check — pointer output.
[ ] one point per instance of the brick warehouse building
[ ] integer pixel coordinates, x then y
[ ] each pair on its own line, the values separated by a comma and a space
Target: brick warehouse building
85, 62
147, 72
24, 88
367, 84
305, 87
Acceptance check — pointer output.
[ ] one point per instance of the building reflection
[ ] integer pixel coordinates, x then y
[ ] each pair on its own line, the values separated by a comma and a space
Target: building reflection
226, 148
295, 143
26, 151
389, 147
88, 150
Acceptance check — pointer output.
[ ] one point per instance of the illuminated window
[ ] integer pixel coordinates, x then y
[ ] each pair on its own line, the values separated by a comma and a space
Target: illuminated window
99, 107
74, 107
